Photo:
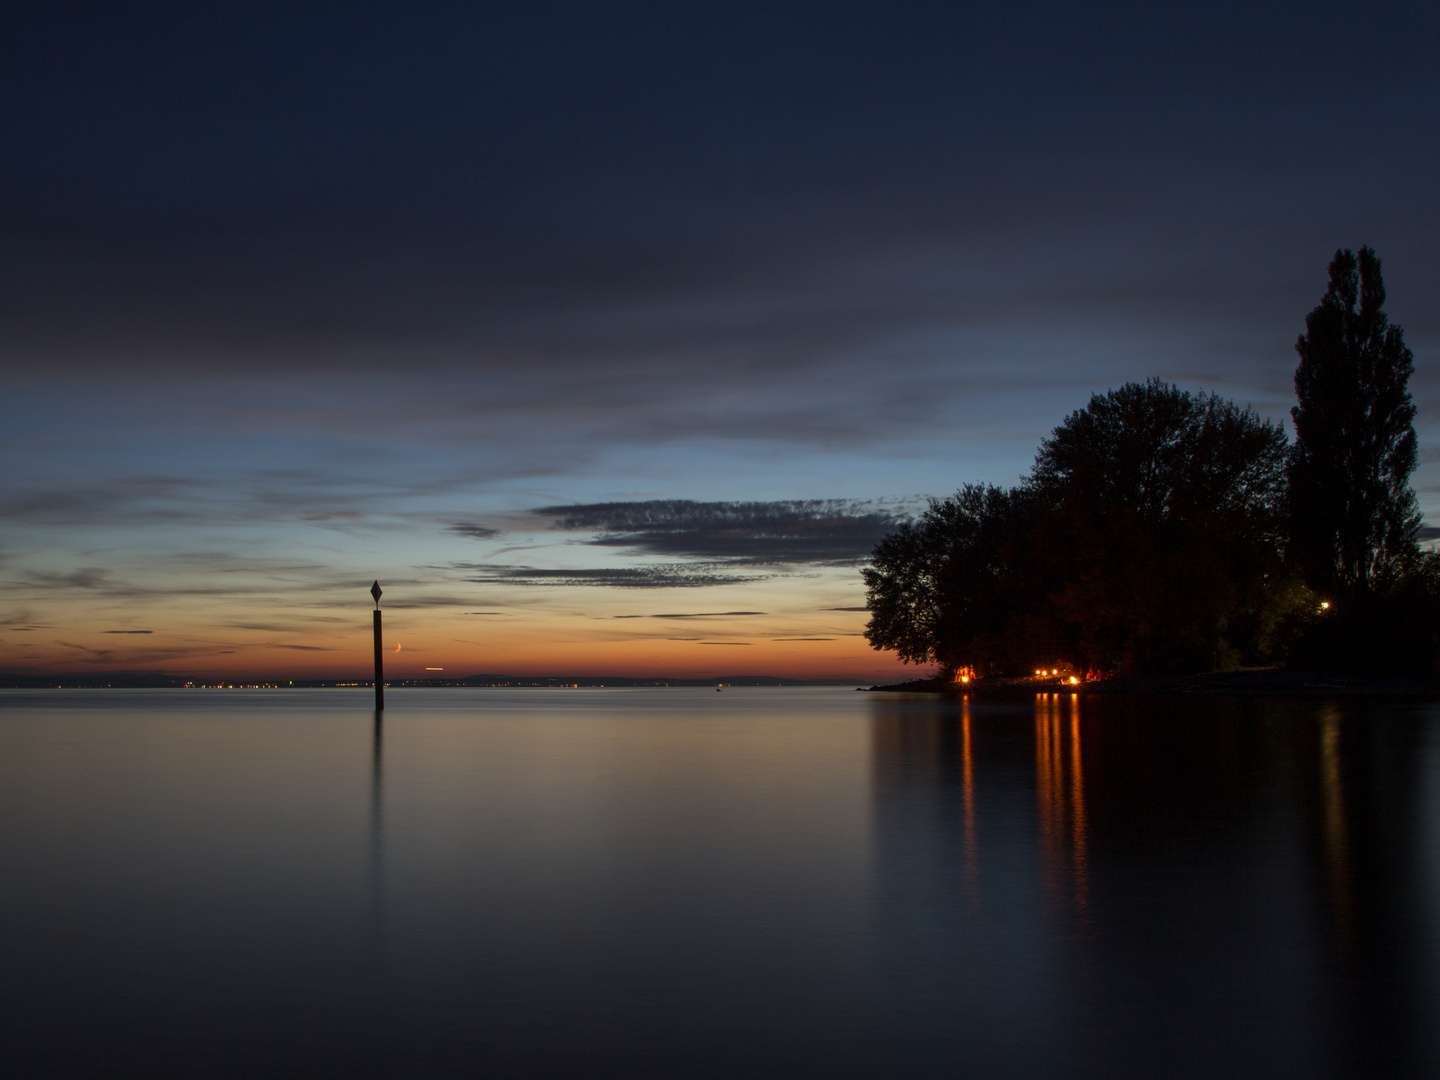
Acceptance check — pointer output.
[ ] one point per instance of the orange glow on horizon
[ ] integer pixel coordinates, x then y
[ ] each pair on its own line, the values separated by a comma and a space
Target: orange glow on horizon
802, 632
545, 650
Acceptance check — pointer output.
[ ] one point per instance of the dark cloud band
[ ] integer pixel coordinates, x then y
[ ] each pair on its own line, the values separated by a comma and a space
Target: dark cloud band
828, 532
477, 532
669, 576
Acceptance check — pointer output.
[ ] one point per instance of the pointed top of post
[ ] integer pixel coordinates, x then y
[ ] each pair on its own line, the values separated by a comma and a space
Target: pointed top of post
375, 592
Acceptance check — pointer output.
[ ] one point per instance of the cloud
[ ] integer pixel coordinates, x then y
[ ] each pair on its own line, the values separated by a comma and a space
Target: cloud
23, 619
829, 532
802, 639
478, 532
141, 656
289, 627
129, 631
427, 602
220, 576
129, 498
845, 609
88, 577
724, 543
664, 576
339, 494
692, 615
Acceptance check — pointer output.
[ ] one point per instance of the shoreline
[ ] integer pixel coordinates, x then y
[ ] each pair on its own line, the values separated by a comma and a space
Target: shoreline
1214, 683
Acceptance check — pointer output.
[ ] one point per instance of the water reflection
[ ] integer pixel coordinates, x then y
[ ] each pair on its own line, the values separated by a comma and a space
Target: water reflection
1336, 842
378, 1036
376, 791
1220, 887
768, 883
1060, 793
972, 880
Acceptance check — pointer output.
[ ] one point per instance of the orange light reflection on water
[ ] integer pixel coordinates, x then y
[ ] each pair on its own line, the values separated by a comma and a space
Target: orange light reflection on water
1060, 794
967, 775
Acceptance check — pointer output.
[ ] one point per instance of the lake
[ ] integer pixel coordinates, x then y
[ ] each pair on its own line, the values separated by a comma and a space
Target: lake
759, 882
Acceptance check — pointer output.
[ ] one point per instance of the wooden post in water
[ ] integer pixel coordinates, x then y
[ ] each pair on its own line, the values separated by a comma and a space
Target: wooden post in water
379, 656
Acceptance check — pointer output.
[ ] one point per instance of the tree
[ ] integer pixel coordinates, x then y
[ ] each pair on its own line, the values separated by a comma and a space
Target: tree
940, 590
1168, 511
1147, 539
1354, 518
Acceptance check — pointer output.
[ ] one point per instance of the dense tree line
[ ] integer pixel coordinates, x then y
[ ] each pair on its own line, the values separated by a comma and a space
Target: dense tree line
1162, 531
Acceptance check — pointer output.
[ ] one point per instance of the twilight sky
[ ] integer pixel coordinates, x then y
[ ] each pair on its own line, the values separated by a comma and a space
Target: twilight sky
610, 337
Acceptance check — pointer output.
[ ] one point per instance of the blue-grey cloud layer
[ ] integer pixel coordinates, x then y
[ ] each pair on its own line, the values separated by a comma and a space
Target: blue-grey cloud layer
259, 187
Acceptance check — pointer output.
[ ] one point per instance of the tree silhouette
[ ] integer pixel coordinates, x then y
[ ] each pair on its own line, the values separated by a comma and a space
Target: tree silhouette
1167, 514
1146, 540
1354, 516
939, 589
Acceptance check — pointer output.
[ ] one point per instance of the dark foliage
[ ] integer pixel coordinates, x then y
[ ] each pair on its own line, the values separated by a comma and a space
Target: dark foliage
1355, 518
1355, 522
1167, 515
947, 588
1147, 540
1394, 630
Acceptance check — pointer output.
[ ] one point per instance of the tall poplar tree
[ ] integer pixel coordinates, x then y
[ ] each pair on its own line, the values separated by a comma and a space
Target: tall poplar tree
1354, 518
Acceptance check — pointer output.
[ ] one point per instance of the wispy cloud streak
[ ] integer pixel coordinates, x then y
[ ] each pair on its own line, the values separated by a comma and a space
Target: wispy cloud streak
667, 576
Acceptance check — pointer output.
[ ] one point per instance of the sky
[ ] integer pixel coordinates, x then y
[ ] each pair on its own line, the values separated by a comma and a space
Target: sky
609, 338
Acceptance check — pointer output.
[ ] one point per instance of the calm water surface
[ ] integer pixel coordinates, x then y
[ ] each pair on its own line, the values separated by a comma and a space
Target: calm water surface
684, 883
